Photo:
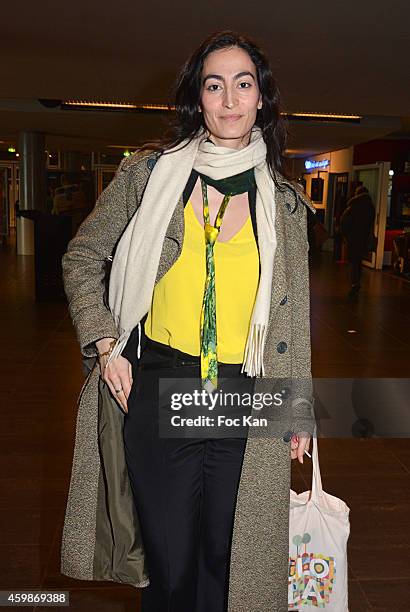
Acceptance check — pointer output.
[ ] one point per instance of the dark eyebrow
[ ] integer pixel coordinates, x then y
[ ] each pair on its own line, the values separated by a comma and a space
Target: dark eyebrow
220, 78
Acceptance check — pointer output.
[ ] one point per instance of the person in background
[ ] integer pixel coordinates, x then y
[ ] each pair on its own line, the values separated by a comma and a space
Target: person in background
70, 200
50, 199
357, 225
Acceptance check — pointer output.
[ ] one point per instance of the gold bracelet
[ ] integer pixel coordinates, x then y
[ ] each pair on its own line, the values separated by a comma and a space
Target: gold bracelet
112, 344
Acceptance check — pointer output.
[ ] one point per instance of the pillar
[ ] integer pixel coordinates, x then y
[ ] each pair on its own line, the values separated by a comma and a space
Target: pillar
32, 188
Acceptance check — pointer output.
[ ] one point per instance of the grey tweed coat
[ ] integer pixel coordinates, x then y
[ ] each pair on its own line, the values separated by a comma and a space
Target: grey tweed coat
101, 537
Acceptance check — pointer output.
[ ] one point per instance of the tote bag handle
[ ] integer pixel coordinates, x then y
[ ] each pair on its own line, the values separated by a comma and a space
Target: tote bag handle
316, 488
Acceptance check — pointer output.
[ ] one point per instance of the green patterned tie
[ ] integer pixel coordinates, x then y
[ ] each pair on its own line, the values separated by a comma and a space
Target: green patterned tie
209, 359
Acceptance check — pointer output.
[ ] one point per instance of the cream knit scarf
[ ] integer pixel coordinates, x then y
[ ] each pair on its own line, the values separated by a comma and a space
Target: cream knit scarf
135, 263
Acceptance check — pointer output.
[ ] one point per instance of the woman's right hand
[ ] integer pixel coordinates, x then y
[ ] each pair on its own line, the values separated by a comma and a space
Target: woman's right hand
117, 374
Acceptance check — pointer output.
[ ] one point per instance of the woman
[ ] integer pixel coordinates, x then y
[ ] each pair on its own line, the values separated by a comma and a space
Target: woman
209, 283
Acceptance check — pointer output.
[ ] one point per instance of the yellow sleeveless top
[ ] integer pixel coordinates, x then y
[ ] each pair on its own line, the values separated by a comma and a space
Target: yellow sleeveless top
174, 316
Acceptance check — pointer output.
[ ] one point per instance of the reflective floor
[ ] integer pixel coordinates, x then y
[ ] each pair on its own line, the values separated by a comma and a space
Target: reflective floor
41, 375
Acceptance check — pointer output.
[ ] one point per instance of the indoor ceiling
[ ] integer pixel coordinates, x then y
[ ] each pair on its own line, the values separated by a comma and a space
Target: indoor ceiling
340, 57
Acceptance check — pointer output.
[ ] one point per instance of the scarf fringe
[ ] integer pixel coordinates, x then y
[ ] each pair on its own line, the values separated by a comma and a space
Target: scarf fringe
253, 357
122, 341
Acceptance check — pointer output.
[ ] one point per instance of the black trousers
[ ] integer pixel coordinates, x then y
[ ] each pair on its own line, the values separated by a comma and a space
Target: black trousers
355, 269
356, 254
185, 495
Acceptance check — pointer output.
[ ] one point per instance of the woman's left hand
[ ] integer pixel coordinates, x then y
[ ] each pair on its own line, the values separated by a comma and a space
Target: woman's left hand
298, 444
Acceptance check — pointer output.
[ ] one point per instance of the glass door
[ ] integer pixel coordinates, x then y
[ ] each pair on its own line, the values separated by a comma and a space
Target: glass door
376, 178
336, 204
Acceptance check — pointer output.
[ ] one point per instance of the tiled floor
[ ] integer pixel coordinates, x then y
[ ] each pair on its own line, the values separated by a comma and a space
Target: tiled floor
41, 376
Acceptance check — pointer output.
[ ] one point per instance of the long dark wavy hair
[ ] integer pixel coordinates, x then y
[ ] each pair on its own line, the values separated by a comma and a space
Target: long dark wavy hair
186, 121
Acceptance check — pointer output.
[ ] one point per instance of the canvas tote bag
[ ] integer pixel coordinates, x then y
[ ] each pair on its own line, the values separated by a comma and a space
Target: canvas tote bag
318, 532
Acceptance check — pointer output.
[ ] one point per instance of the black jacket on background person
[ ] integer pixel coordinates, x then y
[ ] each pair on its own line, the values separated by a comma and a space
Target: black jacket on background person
357, 222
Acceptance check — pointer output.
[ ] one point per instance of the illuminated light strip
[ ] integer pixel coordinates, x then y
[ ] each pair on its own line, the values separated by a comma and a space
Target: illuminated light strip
99, 104
324, 115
